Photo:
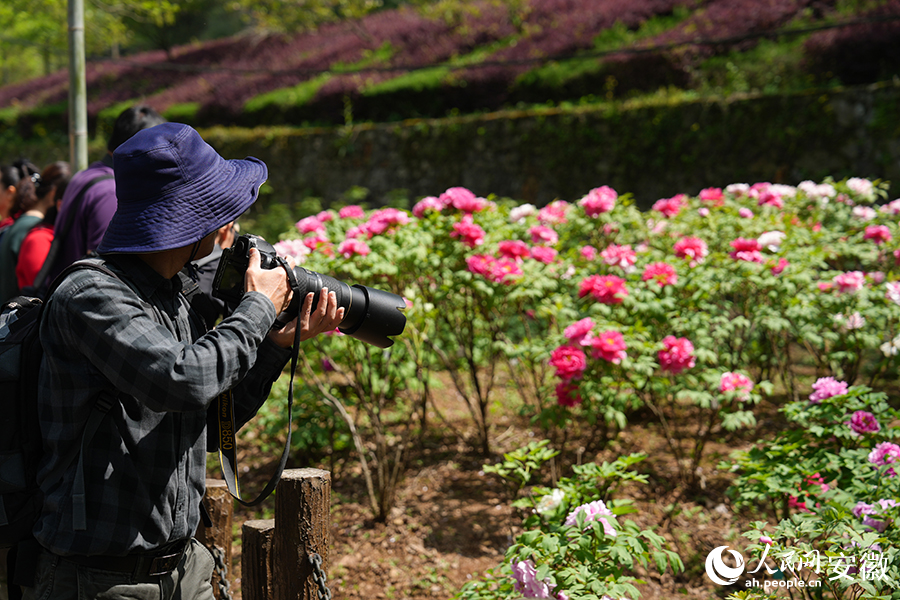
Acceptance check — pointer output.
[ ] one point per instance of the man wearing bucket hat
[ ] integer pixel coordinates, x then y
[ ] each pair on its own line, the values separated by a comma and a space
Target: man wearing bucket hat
134, 338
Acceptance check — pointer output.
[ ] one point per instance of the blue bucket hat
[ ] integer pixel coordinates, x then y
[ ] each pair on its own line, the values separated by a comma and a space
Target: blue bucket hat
174, 189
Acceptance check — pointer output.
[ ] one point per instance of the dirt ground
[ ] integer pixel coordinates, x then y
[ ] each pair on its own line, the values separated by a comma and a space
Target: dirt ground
452, 521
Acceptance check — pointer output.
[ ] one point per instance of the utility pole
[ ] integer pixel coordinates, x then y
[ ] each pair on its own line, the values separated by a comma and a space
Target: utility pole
77, 88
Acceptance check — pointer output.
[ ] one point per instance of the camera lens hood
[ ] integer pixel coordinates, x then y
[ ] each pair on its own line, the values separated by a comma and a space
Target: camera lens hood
383, 317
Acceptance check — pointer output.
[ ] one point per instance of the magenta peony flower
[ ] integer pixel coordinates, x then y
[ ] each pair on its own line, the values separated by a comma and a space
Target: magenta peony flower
690, 247
779, 267
310, 225
462, 199
619, 256
567, 394
746, 249
739, 384
878, 234
607, 289
609, 346
662, 273
670, 207
470, 233
850, 282
568, 361
594, 511
864, 422
713, 195
677, 355
579, 333
352, 247
826, 387
590, 253
544, 254
885, 453
352, 212
480, 264
515, 249
384, 219
598, 201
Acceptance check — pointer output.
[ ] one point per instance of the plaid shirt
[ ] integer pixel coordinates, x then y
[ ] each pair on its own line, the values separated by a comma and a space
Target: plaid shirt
145, 468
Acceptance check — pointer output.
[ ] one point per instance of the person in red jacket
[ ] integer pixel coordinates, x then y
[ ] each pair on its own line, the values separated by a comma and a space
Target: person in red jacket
36, 243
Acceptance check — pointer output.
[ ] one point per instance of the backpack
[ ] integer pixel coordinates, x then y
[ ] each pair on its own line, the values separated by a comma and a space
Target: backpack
21, 443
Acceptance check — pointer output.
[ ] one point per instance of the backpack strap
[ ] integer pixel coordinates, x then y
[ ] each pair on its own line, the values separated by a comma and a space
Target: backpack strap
60, 235
102, 405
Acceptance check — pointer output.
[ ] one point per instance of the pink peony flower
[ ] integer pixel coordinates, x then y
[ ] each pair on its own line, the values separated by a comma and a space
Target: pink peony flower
607, 289
580, 333
826, 387
878, 234
544, 254
713, 195
779, 267
554, 213
609, 346
619, 256
384, 220
745, 213
462, 199
541, 234
703, 211
746, 249
425, 204
866, 511
849, 282
736, 383
594, 511
505, 271
480, 264
567, 394
864, 422
598, 201
569, 362
520, 212
527, 582
515, 249
885, 453
662, 273
588, 252
764, 539
352, 247
770, 198
670, 207
310, 225
690, 247
470, 233
677, 354
352, 212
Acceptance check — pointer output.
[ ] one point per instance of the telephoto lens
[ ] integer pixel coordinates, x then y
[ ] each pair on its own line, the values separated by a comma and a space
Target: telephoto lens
370, 315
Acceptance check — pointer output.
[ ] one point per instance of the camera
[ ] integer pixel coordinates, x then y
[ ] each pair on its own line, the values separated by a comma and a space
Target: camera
370, 315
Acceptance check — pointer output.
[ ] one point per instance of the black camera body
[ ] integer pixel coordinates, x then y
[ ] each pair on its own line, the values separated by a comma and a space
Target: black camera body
370, 315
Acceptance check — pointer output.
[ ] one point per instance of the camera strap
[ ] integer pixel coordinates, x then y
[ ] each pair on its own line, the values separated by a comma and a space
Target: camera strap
228, 429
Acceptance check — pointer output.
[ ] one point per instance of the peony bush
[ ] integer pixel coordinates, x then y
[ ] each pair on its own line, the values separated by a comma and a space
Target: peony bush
581, 313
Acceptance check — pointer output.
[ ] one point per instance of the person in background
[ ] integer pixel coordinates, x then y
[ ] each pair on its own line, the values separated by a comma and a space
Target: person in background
10, 175
37, 242
29, 210
95, 207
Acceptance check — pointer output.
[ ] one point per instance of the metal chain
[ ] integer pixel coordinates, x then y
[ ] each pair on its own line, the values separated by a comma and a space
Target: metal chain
319, 576
222, 572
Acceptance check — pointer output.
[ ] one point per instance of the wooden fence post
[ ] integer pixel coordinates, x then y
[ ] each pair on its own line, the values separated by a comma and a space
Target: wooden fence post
257, 542
219, 537
302, 524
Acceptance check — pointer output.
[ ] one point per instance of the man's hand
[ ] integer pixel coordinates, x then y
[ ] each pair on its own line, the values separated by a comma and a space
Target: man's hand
326, 317
271, 282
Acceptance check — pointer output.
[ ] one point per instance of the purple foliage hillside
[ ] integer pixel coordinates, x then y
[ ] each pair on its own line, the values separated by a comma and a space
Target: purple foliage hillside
220, 77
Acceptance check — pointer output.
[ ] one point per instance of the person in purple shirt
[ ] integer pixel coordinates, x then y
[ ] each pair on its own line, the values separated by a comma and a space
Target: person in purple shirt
94, 209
